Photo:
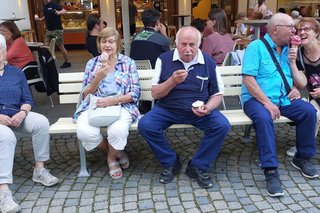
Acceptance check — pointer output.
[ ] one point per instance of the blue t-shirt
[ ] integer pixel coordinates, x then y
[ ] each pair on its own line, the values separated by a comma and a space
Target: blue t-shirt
14, 90
53, 21
257, 62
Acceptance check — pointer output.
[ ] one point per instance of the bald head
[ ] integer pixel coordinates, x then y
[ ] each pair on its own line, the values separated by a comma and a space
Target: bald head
278, 19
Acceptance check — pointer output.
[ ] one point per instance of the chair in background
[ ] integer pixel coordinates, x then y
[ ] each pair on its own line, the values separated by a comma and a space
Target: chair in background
35, 77
143, 64
227, 60
52, 50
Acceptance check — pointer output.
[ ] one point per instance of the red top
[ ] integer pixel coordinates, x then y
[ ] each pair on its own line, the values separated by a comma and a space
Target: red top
19, 54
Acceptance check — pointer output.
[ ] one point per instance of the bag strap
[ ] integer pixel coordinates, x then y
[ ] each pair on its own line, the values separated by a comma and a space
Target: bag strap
286, 84
301, 59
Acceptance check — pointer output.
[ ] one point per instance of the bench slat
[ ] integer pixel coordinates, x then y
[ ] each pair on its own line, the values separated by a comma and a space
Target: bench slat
71, 77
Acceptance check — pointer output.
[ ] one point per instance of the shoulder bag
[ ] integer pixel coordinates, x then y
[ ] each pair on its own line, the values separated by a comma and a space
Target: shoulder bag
102, 116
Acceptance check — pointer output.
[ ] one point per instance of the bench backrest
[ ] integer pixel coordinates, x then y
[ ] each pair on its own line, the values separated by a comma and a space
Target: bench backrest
70, 83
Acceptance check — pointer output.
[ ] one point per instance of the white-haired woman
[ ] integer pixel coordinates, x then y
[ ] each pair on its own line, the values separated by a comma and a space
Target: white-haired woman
15, 116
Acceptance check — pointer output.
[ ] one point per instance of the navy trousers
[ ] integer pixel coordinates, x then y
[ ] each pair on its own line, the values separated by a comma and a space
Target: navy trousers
215, 126
301, 112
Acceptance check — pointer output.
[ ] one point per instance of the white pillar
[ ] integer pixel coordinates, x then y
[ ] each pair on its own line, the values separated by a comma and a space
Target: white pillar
126, 26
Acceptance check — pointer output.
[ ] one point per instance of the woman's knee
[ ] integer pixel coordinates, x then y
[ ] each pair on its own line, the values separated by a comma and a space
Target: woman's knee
85, 135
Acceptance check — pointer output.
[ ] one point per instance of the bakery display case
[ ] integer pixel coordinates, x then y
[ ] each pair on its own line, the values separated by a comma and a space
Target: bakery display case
74, 20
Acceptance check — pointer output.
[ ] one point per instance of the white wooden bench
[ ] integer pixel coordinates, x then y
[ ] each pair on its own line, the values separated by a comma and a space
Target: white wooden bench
70, 85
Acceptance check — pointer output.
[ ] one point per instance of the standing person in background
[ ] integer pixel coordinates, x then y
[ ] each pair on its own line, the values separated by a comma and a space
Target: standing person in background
133, 12
309, 29
51, 15
219, 42
94, 26
261, 7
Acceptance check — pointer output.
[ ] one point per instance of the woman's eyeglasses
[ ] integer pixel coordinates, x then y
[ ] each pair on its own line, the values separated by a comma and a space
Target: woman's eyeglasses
305, 29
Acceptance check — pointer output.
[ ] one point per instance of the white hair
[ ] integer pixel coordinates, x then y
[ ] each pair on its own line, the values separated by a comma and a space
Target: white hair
188, 27
3, 42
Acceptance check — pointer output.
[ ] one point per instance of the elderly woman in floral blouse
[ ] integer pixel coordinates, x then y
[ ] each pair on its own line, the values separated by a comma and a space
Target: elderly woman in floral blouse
115, 74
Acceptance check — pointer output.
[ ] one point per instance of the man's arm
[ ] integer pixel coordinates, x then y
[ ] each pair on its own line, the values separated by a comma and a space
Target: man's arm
255, 90
162, 90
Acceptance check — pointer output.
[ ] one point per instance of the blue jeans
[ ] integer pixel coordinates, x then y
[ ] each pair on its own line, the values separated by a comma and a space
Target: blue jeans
301, 112
215, 127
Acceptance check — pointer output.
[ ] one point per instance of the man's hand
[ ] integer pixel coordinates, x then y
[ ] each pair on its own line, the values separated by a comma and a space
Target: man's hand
274, 110
294, 94
179, 76
5, 120
201, 111
18, 118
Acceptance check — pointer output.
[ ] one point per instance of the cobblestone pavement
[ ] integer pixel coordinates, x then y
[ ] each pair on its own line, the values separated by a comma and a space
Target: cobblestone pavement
239, 182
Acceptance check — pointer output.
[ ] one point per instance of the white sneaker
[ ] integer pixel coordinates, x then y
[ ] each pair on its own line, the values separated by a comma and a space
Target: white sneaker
8, 203
292, 151
43, 176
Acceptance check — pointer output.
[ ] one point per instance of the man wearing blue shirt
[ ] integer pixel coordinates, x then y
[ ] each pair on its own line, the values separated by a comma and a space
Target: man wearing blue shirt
265, 98
183, 76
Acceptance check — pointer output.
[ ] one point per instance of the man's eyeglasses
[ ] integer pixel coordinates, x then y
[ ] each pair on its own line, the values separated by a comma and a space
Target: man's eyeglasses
290, 27
305, 29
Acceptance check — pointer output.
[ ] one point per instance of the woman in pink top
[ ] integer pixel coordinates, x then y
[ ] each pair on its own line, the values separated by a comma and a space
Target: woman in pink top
219, 42
18, 53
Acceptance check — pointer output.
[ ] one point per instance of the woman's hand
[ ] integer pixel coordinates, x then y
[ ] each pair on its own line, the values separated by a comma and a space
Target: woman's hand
316, 93
18, 118
5, 120
107, 101
102, 72
292, 56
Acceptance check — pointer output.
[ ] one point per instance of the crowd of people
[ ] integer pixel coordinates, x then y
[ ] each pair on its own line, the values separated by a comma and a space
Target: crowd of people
183, 75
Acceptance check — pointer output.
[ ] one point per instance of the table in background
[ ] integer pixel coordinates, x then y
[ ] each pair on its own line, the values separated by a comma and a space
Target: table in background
12, 19
256, 24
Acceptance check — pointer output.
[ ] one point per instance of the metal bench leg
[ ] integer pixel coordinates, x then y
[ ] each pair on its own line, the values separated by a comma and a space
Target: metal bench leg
246, 136
83, 162
52, 105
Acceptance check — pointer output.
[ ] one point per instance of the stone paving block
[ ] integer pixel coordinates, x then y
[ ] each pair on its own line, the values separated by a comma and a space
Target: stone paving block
100, 206
262, 205
55, 209
146, 204
62, 194
116, 208
219, 205
250, 208
40, 209
86, 201
71, 202
74, 194
176, 208
85, 209
144, 195
130, 206
71, 209
160, 206
230, 198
